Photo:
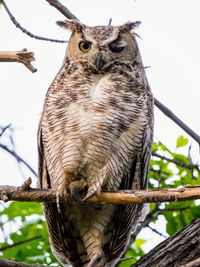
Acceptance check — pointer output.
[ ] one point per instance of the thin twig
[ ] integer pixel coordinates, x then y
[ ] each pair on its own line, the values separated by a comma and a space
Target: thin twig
60, 7
178, 121
3, 129
156, 231
181, 164
16, 23
152, 215
20, 243
120, 197
18, 158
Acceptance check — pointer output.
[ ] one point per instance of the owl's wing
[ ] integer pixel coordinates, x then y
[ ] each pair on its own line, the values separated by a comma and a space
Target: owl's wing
127, 217
62, 242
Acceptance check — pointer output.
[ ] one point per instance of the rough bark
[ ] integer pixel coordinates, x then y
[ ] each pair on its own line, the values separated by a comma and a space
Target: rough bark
180, 250
26, 193
9, 263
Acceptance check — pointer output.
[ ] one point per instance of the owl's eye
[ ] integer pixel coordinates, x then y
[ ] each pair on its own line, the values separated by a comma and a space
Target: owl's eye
84, 46
117, 46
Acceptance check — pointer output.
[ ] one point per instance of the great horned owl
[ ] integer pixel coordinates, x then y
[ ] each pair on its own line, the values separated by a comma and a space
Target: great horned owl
95, 135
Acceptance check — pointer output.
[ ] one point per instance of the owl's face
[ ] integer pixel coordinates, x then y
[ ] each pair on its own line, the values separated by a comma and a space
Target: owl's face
100, 46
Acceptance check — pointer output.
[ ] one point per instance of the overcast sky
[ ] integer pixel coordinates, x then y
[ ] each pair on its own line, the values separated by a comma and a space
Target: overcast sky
170, 45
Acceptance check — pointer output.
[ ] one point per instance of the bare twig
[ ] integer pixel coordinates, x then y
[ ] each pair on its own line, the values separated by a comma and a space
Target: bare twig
178, 121
20, 243
121, 197
16, 23
23, 56
152, 215
156, 231
4, 129
18, 158
60, 7
181, 164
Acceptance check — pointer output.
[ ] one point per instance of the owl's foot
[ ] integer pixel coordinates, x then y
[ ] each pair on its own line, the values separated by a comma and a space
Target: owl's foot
97, 261
93, 189
78, 189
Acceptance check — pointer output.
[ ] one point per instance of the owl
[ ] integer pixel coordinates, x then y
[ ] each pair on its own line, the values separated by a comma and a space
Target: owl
95, 135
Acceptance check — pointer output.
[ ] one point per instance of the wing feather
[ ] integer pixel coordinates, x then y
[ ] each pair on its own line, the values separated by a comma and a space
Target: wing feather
62, 240
127, 217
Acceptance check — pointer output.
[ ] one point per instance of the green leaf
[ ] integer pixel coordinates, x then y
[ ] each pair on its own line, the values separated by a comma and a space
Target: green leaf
155, 147
22, 209
181, 158
181, 141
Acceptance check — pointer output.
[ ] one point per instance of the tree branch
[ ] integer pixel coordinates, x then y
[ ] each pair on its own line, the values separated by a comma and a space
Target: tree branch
9, 263
16, 23
20, 243
181, 164
22, 56
195, 263
60, 7
178, 121
182, 249
26, 193
18, 158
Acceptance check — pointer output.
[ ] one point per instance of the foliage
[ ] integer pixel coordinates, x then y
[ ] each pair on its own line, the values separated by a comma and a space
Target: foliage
24, 234
20, 222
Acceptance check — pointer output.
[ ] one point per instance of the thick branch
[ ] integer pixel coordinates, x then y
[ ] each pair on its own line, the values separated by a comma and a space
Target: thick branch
9, 263
23, 193
195, 263
178, 121
23, 56
182, 249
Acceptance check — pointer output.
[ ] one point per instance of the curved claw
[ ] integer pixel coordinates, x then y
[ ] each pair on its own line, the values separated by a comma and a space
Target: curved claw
88, 195
94, 189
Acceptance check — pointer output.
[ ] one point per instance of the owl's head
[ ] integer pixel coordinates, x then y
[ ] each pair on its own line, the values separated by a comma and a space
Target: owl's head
101, 46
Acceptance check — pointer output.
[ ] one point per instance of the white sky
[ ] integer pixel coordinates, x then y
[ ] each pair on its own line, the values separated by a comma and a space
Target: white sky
170, 44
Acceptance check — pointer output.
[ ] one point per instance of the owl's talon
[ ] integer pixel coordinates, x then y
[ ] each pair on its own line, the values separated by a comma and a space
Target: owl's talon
94, 189
90, 194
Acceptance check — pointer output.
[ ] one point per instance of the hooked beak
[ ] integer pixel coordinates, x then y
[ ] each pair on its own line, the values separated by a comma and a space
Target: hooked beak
100, 62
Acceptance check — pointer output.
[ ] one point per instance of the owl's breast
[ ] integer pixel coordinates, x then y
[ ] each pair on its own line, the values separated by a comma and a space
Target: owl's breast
103, 104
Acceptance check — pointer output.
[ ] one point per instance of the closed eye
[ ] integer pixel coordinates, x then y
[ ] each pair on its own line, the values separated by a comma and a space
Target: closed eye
117, 46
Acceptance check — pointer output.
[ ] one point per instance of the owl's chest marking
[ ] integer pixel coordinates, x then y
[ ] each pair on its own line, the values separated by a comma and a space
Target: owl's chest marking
96, 133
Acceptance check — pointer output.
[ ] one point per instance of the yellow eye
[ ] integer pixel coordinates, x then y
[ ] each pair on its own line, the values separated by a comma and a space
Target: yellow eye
84, 46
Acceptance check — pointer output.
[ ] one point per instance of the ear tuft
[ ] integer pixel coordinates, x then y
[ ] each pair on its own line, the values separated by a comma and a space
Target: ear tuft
72, 25
129, 26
